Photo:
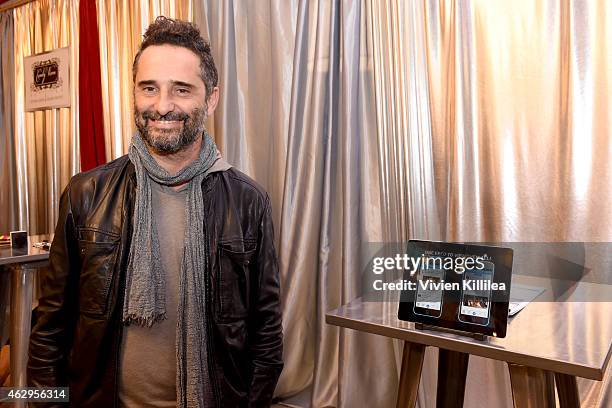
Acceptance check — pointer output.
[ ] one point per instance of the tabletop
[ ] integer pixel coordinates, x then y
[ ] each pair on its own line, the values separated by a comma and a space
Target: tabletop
572, 335
9, 255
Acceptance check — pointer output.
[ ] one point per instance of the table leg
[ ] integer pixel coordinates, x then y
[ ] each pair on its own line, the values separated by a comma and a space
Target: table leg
452, 374
567, 390
410, 375
531, 387
21, 320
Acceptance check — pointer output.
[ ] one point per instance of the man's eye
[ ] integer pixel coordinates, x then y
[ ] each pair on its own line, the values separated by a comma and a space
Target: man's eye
182, 91
148, 89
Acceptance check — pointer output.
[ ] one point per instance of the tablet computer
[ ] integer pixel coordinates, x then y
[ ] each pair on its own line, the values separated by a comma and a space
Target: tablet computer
464, 287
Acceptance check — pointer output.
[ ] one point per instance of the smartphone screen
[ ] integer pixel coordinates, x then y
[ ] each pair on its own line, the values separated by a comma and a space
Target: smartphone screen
476, 295
429, 292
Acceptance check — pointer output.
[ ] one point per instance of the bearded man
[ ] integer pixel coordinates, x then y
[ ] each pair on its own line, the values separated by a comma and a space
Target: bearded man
163, 286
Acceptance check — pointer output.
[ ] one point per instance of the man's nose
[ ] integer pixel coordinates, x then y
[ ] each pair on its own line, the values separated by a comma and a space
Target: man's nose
164, 104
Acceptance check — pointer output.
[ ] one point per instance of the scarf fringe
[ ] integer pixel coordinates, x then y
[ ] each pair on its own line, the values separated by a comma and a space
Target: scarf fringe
144, 321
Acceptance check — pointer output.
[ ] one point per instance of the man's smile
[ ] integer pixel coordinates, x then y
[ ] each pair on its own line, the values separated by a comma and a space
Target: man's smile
165, 124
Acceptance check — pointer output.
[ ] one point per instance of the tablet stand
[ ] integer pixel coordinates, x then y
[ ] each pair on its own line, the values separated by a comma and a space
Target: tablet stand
475, 336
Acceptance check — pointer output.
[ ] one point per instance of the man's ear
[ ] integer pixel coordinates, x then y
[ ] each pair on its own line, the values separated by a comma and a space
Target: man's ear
213, 100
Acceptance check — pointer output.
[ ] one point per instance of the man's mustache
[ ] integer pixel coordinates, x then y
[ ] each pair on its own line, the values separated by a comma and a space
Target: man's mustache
168, 116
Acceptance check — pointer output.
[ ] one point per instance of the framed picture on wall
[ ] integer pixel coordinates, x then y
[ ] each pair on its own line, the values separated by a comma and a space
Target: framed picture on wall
47, 80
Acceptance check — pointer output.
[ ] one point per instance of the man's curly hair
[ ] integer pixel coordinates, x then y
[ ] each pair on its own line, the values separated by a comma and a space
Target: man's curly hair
182, 34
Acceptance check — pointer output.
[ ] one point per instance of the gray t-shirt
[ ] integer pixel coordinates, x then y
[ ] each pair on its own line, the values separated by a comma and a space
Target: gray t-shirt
148, 355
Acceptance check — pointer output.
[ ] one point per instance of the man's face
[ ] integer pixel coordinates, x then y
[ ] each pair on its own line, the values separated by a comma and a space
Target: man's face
170, 107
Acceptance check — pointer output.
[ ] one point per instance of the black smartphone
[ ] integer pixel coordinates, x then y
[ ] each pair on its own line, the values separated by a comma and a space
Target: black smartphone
475, 306
429, 292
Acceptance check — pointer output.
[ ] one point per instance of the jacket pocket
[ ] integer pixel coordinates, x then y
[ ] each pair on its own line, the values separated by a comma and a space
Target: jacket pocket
97, 252
233, 281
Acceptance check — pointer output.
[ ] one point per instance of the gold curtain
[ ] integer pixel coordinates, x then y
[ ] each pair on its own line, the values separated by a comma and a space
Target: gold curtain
297, 114
46, 142
494, 125
9, 211
121, 24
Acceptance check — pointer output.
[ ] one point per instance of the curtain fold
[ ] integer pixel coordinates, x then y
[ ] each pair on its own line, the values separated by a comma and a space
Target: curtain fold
297, 113
46, 142
92, 146
9, 215
9, 204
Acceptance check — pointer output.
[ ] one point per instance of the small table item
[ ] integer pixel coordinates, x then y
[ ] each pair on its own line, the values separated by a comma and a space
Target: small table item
462, 287
22, 264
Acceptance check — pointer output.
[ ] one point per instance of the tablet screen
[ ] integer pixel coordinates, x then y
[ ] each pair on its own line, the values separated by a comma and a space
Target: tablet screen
458, 286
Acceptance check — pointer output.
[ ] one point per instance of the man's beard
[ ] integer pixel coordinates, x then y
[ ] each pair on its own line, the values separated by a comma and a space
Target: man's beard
169, 141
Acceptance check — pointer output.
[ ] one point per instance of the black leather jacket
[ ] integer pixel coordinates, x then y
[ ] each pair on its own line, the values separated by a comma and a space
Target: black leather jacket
76, 339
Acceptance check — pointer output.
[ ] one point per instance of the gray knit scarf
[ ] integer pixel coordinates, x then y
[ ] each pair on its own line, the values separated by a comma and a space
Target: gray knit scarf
145, 301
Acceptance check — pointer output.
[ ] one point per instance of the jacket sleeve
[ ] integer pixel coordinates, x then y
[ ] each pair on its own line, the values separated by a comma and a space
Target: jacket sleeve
265, 321
51, 337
